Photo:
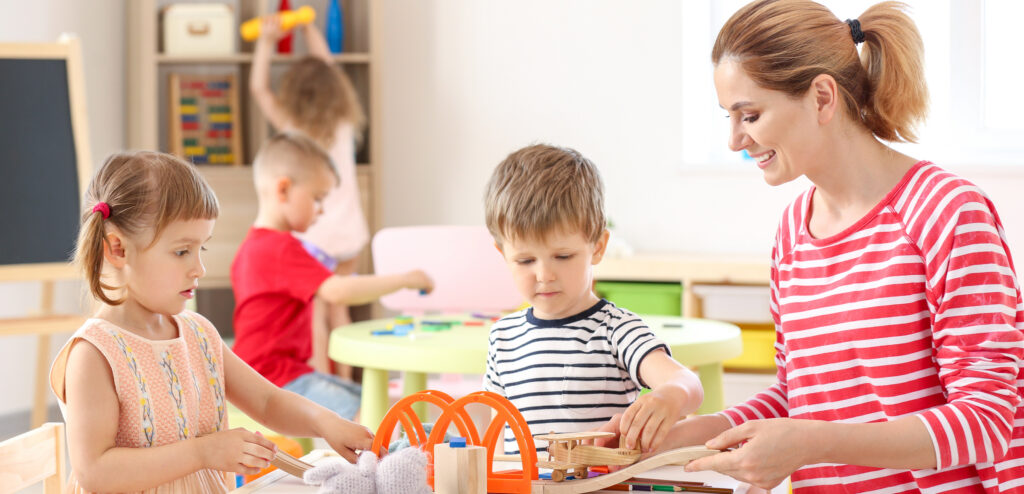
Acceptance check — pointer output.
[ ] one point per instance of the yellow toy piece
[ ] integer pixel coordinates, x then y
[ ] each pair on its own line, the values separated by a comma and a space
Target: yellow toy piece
289, 19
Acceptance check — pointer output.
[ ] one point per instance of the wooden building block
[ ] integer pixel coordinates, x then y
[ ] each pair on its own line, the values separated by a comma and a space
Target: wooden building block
460, 470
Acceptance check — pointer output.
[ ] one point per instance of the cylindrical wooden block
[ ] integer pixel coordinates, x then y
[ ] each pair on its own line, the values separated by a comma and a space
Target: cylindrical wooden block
460, 470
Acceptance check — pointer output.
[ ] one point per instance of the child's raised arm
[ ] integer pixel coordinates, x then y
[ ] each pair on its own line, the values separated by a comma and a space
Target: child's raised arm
675, 392
289, 413
259, 79
92, 421
316, 44
355, 290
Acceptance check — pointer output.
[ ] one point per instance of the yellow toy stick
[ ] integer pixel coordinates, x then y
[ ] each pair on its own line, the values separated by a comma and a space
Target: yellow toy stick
289, 19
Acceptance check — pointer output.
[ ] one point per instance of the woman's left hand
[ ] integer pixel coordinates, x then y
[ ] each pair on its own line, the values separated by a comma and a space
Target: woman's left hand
768, 450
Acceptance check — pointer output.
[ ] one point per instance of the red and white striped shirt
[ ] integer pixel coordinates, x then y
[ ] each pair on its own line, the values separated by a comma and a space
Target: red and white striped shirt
913, 310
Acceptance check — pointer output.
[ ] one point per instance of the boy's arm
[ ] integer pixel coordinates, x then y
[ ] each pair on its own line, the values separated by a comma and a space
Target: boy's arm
356, 290
675, 392
259, 79
316, 44
289, 413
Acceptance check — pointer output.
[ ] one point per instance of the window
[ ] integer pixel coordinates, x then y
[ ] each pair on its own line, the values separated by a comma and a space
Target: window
972, 66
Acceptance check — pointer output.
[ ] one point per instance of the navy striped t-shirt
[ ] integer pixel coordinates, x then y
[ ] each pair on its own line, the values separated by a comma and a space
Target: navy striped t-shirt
571, 374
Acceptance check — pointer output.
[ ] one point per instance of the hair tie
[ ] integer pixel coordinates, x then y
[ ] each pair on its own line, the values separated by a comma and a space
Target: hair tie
858, 35
103, 208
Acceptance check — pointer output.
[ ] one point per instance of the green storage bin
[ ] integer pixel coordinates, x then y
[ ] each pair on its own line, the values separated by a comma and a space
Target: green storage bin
663, 299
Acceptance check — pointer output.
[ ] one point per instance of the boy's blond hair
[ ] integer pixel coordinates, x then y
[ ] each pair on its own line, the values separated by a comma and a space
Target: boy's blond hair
542, 188
291, 154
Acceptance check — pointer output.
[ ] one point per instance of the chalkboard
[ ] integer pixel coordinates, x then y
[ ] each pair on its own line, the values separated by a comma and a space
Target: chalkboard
40, 157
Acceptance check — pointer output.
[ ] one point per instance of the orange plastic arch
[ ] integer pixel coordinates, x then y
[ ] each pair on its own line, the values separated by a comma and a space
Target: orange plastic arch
455, 411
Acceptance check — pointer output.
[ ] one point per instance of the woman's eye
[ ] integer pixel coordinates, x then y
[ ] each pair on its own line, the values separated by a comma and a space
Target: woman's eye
180, 253
750, 118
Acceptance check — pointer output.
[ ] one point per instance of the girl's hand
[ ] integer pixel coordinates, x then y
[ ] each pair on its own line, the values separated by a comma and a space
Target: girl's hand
771, 450
347, 437
418, 280
270, 28
647, 421
236, 450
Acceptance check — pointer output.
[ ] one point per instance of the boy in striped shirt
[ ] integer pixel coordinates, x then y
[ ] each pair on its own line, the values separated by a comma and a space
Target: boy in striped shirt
571, 362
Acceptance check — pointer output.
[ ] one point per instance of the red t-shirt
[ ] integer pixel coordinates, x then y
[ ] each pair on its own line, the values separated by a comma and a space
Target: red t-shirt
274, 280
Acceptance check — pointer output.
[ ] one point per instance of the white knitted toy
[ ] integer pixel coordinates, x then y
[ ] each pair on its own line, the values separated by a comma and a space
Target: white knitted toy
403, 472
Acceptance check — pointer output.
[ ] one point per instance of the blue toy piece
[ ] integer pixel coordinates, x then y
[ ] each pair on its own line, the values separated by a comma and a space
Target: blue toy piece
457, 442
335, 30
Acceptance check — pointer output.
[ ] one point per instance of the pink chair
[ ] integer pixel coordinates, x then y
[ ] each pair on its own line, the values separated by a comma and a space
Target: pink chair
469, 276
469, 273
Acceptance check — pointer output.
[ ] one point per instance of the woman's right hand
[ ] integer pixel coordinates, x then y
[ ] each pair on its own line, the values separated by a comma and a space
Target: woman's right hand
237, 450
418, 280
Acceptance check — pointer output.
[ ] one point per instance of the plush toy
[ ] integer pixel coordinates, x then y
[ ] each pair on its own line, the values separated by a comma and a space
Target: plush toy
403, 472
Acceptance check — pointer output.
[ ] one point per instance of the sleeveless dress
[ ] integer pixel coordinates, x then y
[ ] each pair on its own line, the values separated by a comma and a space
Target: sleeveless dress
169, 390
341, 231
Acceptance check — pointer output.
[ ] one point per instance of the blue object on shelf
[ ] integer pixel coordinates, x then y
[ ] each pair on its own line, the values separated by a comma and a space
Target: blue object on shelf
335, 30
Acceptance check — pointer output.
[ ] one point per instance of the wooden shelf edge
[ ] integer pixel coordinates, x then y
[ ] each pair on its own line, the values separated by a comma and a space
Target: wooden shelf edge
163, 58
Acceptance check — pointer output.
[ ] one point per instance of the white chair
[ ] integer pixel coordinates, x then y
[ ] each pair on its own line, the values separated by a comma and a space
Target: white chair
35, 456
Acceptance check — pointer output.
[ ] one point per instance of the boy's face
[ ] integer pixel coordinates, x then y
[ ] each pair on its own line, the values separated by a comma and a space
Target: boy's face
302, 202
555, 274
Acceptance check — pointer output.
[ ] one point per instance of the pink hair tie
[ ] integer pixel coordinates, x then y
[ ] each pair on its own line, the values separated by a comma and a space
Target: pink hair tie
103, 208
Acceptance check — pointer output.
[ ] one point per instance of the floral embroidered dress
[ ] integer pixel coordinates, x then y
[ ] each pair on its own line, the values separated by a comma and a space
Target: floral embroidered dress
169, 390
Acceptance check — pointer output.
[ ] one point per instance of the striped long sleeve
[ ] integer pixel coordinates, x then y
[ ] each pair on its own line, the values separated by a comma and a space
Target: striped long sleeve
914, 310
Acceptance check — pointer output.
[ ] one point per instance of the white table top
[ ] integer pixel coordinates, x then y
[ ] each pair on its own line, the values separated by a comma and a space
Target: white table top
280, 482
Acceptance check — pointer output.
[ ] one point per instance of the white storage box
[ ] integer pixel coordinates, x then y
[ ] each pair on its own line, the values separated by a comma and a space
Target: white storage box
201, 29
735, 303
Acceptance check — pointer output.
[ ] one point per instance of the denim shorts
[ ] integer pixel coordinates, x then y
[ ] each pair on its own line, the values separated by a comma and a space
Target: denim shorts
337, 394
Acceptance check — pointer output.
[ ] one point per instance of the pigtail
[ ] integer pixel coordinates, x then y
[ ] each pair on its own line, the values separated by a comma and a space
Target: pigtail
89, 256
893, 57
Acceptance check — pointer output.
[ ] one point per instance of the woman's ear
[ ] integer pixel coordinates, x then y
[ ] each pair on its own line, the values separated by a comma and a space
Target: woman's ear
826, 97
113, 249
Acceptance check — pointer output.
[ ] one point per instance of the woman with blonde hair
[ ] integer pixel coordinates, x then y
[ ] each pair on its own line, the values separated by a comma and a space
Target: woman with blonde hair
897, 310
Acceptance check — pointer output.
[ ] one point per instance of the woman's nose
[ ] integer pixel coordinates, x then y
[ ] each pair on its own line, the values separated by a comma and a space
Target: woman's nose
738, 139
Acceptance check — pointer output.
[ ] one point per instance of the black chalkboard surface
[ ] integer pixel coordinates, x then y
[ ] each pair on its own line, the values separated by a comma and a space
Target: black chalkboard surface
39, 196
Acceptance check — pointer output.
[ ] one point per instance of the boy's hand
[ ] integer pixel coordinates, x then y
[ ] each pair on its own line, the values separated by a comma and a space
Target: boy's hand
347, 437
418, 280
647, 421
236, 450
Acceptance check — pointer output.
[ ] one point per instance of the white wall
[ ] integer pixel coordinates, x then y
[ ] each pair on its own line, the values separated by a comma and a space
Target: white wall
99, 25
463, 83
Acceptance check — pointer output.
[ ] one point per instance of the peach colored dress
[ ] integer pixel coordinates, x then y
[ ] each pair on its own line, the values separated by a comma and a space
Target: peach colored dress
169, 390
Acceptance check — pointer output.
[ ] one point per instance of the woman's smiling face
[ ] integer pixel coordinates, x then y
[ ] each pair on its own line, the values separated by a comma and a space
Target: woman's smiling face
777, 130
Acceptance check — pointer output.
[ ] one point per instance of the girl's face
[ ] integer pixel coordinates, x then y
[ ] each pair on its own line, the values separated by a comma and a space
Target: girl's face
163, 276
777, 130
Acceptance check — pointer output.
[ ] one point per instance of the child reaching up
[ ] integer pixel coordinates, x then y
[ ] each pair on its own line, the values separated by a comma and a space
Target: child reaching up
144, 384
572, 361
275, 279
317, 98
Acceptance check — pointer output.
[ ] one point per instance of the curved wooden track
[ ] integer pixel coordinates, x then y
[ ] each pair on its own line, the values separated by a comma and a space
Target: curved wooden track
679, 456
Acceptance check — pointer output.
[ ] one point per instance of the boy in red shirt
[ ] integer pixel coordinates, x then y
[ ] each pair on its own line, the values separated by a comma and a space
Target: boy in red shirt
274, 278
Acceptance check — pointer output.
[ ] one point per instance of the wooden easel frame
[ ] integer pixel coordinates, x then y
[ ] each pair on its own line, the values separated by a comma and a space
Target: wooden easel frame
45, 321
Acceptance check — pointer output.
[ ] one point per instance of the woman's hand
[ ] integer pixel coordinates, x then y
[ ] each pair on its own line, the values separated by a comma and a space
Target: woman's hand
767, 451
347, 437
237, 450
